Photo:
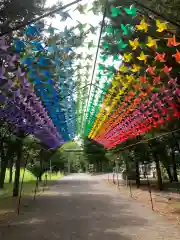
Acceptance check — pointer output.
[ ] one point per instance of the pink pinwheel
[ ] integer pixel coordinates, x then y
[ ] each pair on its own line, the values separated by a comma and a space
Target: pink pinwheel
177, 92
148, 102
154, 96
159, 104
172, 81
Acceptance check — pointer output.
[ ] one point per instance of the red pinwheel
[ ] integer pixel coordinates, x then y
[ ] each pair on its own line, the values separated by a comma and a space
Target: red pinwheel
156, 79
143, 79
176, 114
160, 57
166, 69
172, 42
177, 56
151, 70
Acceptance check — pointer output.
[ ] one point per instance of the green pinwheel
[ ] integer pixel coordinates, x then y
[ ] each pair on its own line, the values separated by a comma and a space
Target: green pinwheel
110, 68
121, 44
89, 57
106, 45
101, 67
80, 27
115, 12
109, 30
130, 11
104, 58
92, 29
81, 8
99, 75
91, 44
125, 29
110, 75
115, 58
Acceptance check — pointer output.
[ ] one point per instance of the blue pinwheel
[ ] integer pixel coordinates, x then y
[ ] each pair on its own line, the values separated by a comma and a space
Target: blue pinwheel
19, 45
32, 31
42, 61
38, 46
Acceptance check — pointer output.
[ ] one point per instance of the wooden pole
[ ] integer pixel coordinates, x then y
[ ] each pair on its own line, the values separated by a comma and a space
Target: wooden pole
149, 188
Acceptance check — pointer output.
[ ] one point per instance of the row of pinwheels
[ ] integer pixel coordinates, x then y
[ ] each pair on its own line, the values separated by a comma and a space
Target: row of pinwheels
43, 81
144, 93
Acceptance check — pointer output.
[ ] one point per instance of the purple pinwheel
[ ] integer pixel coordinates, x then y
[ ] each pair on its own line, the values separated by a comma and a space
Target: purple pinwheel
2, 72
11, 60
19, 73
3, 44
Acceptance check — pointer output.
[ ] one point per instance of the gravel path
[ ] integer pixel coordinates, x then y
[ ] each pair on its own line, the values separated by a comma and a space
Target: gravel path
81, 207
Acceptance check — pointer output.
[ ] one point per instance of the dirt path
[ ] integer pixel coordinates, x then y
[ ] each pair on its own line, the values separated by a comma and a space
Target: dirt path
81, 207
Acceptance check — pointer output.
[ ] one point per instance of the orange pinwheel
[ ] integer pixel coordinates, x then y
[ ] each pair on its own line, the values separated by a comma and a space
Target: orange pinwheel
149, 89
166, 69
142, 94
160, 57
177, 56
137, 86
143, 79
151, 70
172, 42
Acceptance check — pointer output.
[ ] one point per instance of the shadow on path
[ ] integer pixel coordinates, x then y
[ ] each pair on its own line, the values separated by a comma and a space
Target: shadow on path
82, 209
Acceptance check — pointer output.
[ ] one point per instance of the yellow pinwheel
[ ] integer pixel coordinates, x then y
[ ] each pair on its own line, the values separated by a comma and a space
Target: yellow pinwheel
135, 68
123, 68
142, 57
118, 78
143, 26
127, 57
151, 42
161, 26
121, 92
134, 44
130, 78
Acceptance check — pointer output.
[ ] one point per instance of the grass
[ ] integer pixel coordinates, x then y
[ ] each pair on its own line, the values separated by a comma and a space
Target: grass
8, 203
29, 182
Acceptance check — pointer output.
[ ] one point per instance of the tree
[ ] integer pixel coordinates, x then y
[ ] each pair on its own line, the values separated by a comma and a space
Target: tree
17, 12
7, 152
19, 151
95, 154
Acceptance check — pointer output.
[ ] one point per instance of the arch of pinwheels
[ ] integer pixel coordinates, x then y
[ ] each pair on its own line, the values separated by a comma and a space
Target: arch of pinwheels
110, 79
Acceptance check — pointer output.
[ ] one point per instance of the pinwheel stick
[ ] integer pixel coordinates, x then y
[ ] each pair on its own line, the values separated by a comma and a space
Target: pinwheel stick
40, 17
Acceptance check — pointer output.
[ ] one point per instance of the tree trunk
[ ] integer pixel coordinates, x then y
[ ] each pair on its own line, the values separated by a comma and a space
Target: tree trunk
137, 174
10, 170
159, 178
175, 175
4, 163
3, 172
168, 170
18, 166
